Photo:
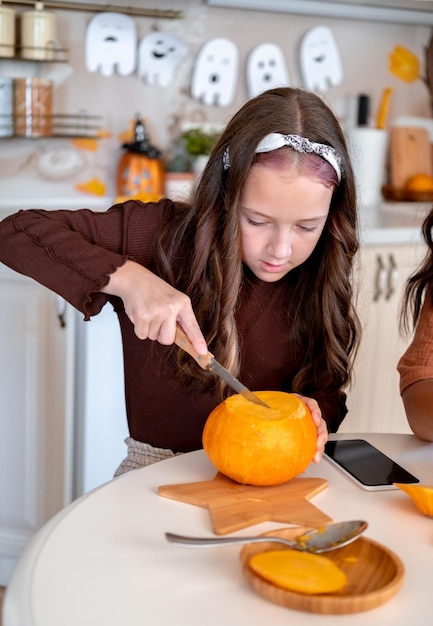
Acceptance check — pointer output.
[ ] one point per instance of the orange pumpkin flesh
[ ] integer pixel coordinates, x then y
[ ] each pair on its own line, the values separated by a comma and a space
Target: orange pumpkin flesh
254, 445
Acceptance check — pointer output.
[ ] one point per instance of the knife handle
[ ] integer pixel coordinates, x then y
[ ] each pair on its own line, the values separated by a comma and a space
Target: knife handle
183, 342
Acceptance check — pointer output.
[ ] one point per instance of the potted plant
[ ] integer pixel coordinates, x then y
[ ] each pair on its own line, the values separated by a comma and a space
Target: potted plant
198, 142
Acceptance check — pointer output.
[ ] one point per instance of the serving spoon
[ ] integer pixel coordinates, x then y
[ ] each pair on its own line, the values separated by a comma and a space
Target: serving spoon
323, 539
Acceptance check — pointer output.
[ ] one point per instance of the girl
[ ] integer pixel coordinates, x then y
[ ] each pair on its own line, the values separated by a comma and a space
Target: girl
416, 365
257, 267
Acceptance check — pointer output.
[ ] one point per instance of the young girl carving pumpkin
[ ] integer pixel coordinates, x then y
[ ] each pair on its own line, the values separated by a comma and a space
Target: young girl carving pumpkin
256, 268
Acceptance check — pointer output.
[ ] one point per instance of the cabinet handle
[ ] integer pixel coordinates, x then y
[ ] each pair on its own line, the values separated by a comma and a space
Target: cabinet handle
61, 311
380, 283
392, 277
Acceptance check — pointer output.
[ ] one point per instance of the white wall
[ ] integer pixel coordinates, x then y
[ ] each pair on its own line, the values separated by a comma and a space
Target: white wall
364, 47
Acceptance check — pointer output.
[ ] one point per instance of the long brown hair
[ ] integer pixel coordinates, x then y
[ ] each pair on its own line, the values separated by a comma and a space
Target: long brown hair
420, 284
213, 272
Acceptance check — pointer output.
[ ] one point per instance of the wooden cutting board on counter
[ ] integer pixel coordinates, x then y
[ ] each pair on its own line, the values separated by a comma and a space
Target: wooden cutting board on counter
233, 506
410, 154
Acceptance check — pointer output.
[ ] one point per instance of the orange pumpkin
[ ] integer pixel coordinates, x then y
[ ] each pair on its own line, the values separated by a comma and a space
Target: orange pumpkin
138, 174
140, 170
255, 445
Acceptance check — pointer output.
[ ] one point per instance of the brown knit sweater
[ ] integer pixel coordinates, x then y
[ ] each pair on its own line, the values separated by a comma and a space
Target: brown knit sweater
74, 252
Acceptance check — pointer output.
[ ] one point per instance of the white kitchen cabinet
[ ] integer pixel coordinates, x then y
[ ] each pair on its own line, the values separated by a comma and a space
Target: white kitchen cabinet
374, 401
36, 365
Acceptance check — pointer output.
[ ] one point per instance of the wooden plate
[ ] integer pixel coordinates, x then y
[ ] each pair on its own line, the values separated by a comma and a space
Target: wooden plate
393, 194
374, 573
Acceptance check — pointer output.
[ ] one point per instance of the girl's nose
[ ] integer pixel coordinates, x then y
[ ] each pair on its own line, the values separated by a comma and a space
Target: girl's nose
280, 245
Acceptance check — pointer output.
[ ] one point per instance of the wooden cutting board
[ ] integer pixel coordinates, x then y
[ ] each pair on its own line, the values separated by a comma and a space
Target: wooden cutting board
410, 154
233, 506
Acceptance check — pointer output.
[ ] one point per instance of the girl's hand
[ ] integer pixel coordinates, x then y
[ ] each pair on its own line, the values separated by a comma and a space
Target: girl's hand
153, 306
322, 430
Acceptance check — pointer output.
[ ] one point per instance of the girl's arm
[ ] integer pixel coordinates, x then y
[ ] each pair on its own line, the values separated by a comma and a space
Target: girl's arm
84, 256
153, 306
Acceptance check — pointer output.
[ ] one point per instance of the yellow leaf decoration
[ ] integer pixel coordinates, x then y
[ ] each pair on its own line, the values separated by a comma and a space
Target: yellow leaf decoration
103, 134
127, 136
92, 145
85, 144
404, 64
94, 186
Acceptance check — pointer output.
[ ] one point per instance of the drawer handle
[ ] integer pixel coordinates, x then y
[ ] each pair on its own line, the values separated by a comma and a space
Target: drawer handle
61, 311
380, 283
392, 277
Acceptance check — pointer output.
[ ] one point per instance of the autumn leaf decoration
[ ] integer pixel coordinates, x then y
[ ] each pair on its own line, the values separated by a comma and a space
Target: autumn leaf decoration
405, 65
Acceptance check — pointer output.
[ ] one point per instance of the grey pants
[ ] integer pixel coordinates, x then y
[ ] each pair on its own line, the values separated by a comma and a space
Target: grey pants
141, 455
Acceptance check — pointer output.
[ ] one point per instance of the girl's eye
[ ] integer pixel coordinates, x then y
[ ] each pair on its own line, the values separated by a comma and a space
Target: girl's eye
308, 229
254, 222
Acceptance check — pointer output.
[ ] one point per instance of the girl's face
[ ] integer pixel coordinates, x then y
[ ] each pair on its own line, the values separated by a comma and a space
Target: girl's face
281, 217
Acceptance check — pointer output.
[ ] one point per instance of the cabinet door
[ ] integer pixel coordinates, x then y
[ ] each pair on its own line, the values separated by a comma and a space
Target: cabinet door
35, 413
374, 401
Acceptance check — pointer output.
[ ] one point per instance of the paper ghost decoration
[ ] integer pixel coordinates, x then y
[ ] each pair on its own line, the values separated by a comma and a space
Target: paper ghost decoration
215, 73
159, 54
320, 60
111, 43
266, 68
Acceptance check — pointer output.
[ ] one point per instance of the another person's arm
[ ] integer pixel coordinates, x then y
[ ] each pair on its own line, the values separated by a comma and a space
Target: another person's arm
416, 376
418, 404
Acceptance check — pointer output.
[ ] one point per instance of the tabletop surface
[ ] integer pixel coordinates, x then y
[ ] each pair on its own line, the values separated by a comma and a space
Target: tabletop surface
105, 560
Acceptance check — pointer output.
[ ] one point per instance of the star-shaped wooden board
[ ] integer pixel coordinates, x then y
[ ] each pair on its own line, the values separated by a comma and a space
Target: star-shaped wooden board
233, 506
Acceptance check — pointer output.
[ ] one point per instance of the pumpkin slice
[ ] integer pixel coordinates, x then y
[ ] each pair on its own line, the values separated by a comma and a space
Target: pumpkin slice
422, 496
298, 571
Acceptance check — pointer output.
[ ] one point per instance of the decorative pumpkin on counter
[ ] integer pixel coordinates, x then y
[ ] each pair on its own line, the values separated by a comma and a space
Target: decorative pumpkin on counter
140, 170
256, 445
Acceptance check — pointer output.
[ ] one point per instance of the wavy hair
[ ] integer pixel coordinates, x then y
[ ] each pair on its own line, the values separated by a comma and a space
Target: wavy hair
420, 284
323, 320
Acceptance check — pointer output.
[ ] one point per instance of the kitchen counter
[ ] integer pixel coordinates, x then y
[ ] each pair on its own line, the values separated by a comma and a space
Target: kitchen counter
389, 224
393, 223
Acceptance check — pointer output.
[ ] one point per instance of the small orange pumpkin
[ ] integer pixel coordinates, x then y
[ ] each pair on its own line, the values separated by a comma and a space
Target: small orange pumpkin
140, 169
255, 445
138, 174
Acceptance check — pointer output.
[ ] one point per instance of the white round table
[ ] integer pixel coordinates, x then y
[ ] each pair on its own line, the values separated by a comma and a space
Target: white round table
105, 560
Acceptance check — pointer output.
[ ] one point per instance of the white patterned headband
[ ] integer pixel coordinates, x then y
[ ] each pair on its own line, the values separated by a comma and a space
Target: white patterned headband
299, 144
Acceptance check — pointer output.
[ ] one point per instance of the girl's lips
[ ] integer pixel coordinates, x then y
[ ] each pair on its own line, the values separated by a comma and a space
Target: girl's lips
273, 269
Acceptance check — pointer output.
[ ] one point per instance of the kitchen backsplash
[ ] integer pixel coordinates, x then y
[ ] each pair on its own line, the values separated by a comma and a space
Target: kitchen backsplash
63, 168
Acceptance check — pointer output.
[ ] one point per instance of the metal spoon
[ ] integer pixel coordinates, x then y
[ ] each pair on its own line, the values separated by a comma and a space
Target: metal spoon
323, 539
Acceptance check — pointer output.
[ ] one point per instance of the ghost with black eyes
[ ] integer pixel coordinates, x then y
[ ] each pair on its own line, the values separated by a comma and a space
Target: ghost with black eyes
111, 44
266, 68
159, 55
215, 73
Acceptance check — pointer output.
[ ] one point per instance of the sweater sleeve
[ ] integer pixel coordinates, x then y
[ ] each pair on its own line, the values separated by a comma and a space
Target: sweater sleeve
417, 362
73, 253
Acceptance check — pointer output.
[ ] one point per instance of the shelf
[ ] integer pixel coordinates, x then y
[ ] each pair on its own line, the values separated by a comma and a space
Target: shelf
56, 69
49, 54
60, 126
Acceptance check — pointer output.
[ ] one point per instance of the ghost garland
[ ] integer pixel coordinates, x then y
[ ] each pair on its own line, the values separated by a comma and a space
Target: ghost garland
111, 46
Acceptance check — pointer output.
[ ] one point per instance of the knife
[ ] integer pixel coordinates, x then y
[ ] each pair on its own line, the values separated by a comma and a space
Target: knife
208, 362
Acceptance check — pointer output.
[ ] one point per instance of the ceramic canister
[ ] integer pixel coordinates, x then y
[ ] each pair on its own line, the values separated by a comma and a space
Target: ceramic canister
7, 31
38, 33
6, 107
33, 107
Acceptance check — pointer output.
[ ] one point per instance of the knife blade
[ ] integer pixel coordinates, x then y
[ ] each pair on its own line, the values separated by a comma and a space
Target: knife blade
208, 362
